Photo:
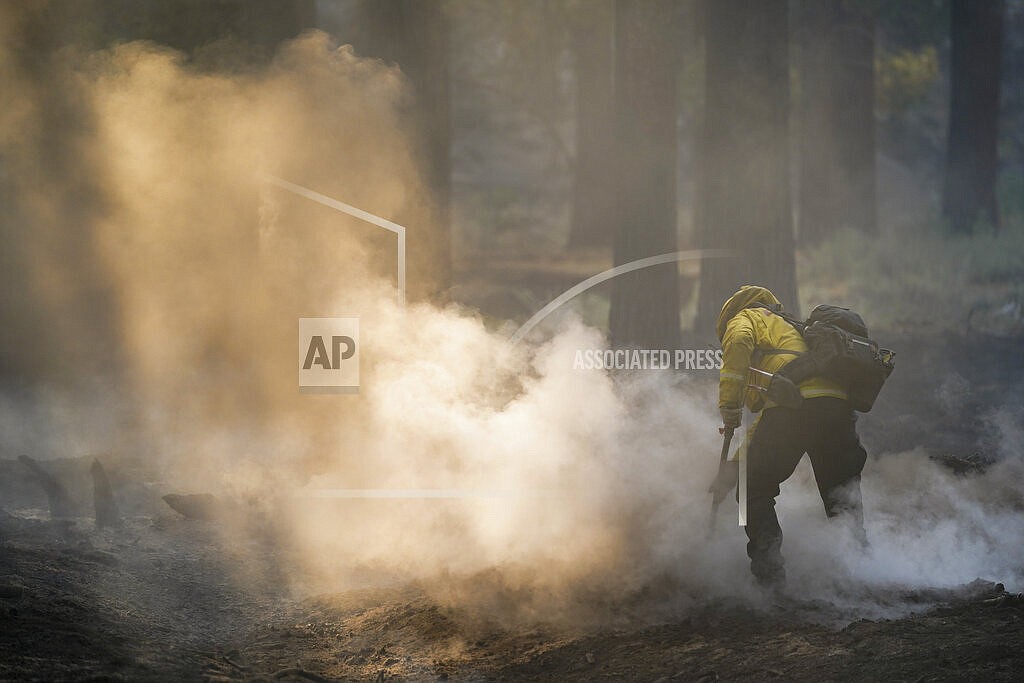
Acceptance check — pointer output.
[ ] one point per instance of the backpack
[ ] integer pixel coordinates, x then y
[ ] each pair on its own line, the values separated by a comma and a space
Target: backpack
838, 347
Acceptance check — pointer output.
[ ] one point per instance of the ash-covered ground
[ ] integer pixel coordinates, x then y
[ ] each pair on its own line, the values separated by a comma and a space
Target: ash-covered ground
168, 597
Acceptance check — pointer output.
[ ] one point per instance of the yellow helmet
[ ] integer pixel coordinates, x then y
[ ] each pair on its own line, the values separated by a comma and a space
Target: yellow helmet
745, 297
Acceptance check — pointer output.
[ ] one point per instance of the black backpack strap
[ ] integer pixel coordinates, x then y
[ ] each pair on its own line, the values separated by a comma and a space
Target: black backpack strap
800, 325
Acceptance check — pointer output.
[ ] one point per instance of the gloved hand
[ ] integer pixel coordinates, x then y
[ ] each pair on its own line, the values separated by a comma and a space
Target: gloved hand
726, 479
731, 416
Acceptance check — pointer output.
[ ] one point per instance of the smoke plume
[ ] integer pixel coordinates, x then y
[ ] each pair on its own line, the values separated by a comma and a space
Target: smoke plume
155, 280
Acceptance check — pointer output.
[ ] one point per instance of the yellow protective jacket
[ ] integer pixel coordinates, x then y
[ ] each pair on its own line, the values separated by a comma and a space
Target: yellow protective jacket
756, 337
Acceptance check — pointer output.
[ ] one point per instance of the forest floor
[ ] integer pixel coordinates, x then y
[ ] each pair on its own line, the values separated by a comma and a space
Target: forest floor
79, 605
161, 599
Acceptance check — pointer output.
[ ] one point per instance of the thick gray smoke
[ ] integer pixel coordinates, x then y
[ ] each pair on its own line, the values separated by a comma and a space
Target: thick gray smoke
582, 484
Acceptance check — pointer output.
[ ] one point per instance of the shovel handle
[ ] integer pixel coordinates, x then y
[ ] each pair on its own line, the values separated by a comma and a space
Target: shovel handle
727, 433
727, 439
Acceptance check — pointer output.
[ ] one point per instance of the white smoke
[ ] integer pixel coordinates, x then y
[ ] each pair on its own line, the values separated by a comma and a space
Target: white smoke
594, 486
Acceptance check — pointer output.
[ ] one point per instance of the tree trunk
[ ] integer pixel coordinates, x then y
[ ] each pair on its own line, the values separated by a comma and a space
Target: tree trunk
593, 222
837, 119
969, 194
416, 35
744, 183
645, 304
817, 216
853, 116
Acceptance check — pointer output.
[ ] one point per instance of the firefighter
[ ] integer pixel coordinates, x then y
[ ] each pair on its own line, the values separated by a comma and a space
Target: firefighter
755, 338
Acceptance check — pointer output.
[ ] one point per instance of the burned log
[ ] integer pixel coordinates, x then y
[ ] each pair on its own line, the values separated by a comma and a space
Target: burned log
57, 495
202, 506
107, 514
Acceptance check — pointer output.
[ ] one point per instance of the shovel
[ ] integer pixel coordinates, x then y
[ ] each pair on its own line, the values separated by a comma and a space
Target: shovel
720, 492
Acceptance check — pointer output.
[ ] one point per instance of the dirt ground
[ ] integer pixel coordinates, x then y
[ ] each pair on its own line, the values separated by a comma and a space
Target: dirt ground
157, 602
167, 598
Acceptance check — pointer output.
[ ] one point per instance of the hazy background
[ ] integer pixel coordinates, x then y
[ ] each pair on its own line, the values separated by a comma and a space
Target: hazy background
153, 279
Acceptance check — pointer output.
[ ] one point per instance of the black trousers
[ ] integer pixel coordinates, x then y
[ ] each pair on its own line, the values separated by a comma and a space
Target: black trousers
824, 429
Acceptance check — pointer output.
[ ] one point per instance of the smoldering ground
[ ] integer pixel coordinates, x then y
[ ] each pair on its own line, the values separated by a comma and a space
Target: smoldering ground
155, 284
